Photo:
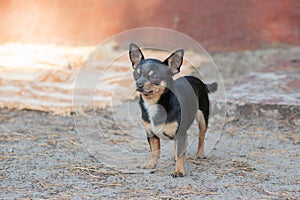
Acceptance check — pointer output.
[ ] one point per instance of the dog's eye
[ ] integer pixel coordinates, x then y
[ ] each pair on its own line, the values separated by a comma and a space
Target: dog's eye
136, 75
154, 76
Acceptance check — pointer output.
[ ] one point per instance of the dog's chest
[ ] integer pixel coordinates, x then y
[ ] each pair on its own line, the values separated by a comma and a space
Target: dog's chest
152, 110
158, 126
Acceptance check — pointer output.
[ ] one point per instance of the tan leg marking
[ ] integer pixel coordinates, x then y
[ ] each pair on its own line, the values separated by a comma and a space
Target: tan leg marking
202, 130
146, 125
155, 152
179, 170
175, 150
170, 129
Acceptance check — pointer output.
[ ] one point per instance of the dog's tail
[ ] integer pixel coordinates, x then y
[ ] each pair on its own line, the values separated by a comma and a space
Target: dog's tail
212, 87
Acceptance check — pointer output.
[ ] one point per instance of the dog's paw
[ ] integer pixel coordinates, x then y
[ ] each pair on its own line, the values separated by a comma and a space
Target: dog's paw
200, 156
177, 174
148, 166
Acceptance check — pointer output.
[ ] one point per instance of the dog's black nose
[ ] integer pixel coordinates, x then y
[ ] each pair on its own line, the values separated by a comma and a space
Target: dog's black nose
139, 84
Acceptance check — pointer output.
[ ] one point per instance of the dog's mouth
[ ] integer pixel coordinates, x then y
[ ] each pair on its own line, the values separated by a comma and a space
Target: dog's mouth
146, 93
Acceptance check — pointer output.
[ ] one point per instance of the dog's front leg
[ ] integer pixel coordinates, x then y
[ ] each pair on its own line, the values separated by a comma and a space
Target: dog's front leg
154, 143
181, 145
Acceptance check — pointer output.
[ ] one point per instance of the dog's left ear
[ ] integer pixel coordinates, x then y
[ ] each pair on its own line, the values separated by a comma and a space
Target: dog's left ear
174, 61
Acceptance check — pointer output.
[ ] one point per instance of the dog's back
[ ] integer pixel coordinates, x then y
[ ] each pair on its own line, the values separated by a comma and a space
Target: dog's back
193, 94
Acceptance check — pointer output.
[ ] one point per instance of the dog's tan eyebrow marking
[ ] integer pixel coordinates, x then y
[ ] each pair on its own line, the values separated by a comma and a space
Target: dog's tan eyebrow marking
151, 72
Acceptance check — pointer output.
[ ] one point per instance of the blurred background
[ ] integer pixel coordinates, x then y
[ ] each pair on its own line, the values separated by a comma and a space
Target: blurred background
45, 42
217, 25
45, 45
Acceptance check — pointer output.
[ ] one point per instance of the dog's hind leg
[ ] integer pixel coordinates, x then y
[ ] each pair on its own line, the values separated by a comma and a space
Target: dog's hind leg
201, 135
154, 143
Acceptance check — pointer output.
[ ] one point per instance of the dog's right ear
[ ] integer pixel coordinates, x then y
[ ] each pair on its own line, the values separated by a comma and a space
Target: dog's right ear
135, 55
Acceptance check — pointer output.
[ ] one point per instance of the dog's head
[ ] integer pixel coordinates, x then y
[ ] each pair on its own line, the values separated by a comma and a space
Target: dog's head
153, 76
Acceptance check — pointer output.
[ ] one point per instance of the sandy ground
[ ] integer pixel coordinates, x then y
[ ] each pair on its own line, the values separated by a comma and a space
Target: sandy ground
45, 156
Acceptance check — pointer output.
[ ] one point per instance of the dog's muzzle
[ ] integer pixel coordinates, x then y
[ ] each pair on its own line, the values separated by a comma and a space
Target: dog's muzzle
143, 87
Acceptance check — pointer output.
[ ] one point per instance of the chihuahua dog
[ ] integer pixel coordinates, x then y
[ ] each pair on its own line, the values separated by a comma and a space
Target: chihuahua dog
169, 106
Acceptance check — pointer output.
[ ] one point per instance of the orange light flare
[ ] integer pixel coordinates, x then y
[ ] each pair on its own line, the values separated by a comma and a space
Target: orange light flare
39, 77
42, 77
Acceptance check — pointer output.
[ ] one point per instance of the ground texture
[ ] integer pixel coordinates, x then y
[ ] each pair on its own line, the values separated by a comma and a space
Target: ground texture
256, 156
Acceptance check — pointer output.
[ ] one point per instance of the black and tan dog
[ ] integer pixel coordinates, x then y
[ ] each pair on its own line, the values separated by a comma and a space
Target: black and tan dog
169, 107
